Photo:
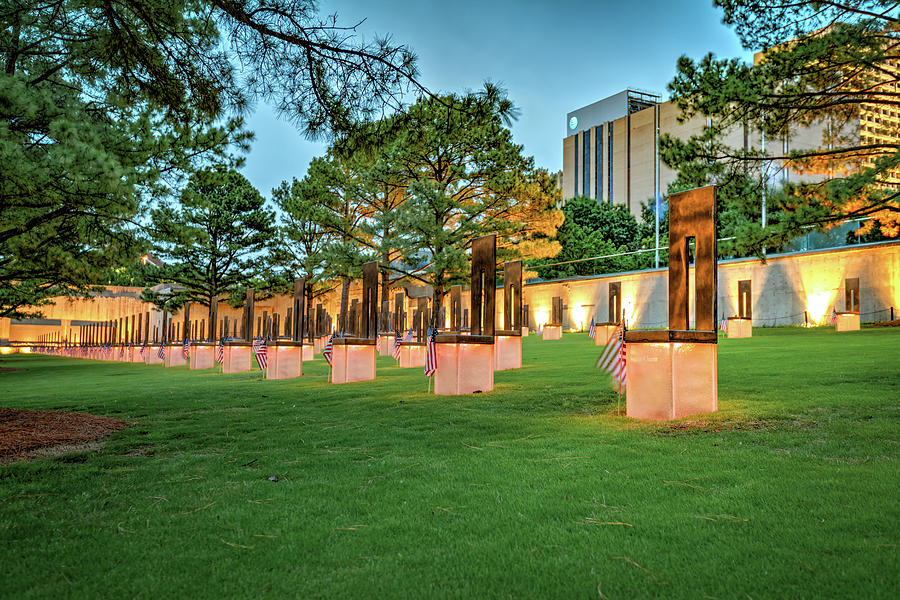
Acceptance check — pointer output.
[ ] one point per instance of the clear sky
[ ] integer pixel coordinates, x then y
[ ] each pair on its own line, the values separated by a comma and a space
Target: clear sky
551, 56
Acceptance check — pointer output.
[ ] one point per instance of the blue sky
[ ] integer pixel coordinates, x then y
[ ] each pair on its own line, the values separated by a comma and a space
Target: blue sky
552, 57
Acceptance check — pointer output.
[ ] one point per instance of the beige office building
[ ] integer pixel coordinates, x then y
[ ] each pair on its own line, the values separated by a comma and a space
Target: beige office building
610, 151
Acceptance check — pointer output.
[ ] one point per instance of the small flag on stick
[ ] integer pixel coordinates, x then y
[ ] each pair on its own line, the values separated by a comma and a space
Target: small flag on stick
398, 342
592, 330
326, 353
220, 351
613, 358
723, 325
833, 316
430, 353
161, 353
259, 349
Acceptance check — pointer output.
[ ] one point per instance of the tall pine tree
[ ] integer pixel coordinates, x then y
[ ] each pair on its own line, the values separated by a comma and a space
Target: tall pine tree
213, 241
833, 66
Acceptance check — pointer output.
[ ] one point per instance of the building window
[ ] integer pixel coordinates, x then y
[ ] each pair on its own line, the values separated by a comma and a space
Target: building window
575, 184
609, 162
586, 160
598, 146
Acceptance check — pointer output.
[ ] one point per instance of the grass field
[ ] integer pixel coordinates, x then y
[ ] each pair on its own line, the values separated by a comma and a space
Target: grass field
535, 490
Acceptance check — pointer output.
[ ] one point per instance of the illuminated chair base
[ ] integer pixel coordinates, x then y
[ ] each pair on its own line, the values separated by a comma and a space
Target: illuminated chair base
412, 354
307, 353
174, 357
135, 356
385, 345
285, 360
151, 357
238, 357
507, 351
739, 327
352, 359
602, 331
552, 332
465, 364
847, 321
203, 356
318, 344
525, 331
671, 374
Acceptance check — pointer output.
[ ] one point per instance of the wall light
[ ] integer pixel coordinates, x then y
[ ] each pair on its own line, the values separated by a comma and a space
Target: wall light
817, 305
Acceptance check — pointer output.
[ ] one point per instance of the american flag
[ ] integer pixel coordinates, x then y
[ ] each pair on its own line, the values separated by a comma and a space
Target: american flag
143, 350
833, 316
409, 336
186, 348
592, 330
259, 348
122, 350
613, 358
326, 353
430, 353
162, 351
398, 342
220, 351
723, 325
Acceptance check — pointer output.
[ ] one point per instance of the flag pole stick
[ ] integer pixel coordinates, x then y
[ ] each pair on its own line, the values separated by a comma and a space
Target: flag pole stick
619, 401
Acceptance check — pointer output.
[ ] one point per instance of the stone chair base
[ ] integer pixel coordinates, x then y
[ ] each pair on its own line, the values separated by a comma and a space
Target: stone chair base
738, 327
552, 332
670, 376
352, 360
465, 364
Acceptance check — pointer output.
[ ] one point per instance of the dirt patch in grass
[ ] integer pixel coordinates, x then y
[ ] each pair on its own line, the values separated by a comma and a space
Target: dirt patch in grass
894, 323
8, 369
26, 434
704, 426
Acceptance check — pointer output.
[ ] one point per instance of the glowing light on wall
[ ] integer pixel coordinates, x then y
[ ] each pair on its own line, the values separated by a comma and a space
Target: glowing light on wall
628, 310
818, 307
822, 283
578, 316
541, 316
7, 350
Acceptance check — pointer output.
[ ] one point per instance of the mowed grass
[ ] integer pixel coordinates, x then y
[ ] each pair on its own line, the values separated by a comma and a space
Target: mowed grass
535, 490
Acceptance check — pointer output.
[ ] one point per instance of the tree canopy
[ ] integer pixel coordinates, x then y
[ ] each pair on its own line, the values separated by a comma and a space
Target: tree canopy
106, 107
829, 66
464, 177
413, 189
593, 229
212, 241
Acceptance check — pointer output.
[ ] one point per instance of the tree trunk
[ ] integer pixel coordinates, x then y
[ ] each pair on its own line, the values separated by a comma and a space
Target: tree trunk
437, 299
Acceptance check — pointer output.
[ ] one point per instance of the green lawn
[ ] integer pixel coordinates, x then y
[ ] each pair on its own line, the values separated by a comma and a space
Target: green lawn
534, 490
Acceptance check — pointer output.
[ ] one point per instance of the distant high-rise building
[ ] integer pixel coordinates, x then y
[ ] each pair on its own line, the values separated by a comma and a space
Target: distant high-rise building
610, 149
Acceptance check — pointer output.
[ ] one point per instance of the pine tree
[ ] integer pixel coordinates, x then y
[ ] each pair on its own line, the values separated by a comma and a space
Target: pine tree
828, 65
107, 106
466, 178
213, 241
